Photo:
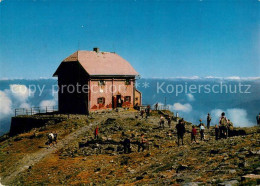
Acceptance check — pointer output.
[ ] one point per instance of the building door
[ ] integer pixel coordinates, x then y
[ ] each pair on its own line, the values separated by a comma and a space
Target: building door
118, 101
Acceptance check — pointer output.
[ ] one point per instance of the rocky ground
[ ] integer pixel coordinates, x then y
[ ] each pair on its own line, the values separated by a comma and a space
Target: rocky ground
79, 159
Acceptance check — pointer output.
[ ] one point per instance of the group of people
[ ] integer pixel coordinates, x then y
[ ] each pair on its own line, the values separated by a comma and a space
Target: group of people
224, 128
221, 131
126, 142
162, 121
146, 111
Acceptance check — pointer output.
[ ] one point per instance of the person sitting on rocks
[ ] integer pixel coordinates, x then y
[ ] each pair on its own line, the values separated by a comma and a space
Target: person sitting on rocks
142, 143
50, 139
169, 134
193, 134
223, 125
180, 131
216, 132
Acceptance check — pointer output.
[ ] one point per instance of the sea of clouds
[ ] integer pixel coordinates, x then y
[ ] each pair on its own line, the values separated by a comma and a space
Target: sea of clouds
241, 109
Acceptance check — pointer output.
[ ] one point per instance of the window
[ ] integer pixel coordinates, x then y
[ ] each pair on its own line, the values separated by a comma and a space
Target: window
101, 100
127, 98
101, 82
127, 82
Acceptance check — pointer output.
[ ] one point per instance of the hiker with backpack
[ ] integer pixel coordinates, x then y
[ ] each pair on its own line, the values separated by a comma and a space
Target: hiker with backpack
258, 120
193, 134
180, 131
208, 120
223, 125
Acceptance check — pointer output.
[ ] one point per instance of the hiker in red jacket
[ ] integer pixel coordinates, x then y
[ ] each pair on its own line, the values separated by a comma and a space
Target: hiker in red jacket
96, 133
193, 134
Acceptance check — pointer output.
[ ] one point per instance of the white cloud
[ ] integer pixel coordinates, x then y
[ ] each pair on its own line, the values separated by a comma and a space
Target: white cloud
236, 115
19, 92
190, 97
181, 107
48, 103
233, 78
5, 105
25, 105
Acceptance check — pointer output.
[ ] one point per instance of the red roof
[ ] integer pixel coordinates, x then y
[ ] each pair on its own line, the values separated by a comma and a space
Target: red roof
101, 63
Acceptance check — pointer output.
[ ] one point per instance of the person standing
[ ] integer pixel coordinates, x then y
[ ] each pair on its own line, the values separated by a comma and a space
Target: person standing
230, 128
223, 125
96, 133
208, 120
169, 121
142, 113
258, 119
180, 131
142, 143
193, 134
127, 145
202, 129
147, 111
156, 106
161, 122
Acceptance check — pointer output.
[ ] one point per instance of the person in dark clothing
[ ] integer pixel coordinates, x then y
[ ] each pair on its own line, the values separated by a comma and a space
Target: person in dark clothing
216, 132
208, 120
142, 113
169, 121
180, 131
127, 146
156, 106
142, 143
193, 134
147, 111
258, 119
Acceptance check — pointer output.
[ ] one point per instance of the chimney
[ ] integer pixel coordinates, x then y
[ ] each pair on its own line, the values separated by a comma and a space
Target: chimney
96, 50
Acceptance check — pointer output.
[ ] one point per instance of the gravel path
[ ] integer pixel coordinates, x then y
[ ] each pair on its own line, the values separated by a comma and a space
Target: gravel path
31, 159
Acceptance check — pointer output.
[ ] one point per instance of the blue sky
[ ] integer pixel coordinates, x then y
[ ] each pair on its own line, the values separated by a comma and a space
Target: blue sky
159, 38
